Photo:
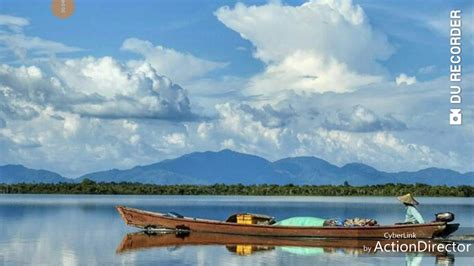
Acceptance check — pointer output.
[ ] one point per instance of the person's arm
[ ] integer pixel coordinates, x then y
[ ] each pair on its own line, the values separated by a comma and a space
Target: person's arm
416, 214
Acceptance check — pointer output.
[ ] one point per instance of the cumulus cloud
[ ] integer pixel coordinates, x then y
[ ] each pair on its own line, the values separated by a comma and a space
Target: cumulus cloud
18, 94
96, 113
272, 131
360, 136
176, 65
361, 119
269, 116
306, 72
73, 144
90, 112
316, 47
96, 87
175, 140
12, 140
372, 148
13, 38
245, 128
403, 79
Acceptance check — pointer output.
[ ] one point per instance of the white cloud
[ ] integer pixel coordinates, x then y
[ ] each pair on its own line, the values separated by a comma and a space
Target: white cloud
13, 38
176, 139
440, 24
244, 128
272, 131
316, 47
403, 79
90, 112
96, 113
16, 140
96, 87
365, 139
371, 148
180, 67
427, 69
12, 21
361, 119
74, 145
203, 129
21, 44
307, 72
71, 124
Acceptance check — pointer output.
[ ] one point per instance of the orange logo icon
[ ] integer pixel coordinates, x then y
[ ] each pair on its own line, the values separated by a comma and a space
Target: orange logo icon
62, 8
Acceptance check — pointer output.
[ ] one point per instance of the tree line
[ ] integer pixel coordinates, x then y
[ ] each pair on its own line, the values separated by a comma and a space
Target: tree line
88, 186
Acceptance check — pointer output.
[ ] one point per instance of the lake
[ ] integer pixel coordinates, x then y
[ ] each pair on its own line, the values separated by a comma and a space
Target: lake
87, 230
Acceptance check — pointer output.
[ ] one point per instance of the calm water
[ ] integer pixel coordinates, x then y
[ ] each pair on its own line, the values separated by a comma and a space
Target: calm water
86, 230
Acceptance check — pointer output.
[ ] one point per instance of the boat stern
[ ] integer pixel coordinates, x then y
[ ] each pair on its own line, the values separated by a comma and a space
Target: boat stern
447, 230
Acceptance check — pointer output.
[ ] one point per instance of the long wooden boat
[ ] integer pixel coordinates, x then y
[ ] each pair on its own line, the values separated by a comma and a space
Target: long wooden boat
247, 244
148, 220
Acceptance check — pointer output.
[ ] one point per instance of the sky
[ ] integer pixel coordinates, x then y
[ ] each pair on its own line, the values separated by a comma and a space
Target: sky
115, 86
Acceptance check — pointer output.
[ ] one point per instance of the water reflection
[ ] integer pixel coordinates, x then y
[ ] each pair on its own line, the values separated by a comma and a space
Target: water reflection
86, 229
251, 245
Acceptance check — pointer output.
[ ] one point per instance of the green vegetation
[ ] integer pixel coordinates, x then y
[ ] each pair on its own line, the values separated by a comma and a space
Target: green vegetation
90, 187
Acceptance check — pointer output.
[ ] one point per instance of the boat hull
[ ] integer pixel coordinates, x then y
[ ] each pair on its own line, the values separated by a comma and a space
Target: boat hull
146, 220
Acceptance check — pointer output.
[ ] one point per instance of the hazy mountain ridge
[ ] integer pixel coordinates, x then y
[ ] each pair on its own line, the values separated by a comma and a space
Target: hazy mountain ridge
14, 173
231, 167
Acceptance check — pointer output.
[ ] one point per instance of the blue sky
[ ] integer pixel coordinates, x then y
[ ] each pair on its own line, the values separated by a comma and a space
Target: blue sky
187, 26
177, 24
134, 83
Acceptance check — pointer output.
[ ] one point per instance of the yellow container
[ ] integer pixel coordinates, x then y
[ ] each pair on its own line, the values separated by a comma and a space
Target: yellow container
244, 219
244, 250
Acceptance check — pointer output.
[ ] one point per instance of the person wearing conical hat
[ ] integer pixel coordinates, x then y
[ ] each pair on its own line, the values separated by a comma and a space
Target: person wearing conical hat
413, 216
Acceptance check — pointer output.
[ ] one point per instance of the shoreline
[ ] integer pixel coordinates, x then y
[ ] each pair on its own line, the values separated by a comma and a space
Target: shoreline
88, 187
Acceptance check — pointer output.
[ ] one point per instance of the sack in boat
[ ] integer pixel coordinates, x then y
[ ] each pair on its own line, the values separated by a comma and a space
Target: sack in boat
359, 222
333, 222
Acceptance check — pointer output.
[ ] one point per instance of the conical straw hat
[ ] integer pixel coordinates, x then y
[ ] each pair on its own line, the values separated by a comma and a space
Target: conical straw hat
408, 198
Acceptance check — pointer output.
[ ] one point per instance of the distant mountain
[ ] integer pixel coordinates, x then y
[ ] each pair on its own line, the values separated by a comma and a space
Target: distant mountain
435, 176
199, 168
308, 170
225, 166
11, 174
231, 167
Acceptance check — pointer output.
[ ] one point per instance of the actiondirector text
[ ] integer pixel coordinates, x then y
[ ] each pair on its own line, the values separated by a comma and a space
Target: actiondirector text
422, 246
455, 115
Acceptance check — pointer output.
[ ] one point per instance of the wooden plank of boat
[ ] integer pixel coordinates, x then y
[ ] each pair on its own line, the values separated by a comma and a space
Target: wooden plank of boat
141, 240
145, 219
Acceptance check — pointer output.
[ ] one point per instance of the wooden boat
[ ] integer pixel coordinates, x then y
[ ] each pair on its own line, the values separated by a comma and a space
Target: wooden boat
150, 220
244, 245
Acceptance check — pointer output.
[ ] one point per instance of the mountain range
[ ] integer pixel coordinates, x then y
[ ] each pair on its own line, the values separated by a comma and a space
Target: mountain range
230, 167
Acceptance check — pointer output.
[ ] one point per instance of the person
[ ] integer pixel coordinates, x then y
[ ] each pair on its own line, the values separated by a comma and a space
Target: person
413, 216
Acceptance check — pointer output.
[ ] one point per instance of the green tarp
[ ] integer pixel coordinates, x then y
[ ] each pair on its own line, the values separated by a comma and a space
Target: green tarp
301, 221
305, 251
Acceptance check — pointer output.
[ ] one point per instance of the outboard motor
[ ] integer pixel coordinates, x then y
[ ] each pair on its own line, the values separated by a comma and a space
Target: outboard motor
445, 217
